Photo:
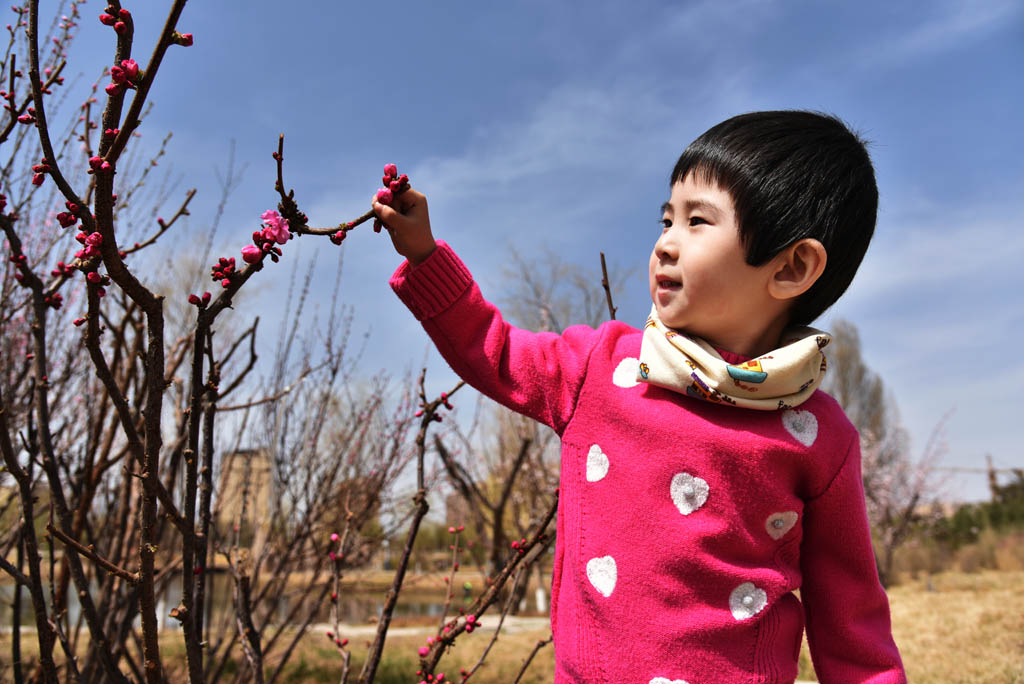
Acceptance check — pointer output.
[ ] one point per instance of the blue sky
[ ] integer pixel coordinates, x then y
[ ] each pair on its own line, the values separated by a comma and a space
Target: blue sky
556, 124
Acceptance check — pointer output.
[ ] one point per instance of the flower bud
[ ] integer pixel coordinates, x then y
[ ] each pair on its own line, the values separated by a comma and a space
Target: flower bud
107, 19
131, 68
335, 537
95, 163
114, 89
38, 179
118, 74
93, 277
78, 322
384, 196
124, 14
94, 239
226, 283
423, 651
390, 170
251, 254
193, 300
120, 27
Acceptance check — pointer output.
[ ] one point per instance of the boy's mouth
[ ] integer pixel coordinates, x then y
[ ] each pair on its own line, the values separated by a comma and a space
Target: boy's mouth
664, 284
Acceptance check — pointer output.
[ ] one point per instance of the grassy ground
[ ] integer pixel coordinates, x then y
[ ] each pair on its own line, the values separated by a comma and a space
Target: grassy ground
965, 629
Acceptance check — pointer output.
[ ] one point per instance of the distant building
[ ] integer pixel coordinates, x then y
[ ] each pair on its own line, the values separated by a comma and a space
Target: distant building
245, 477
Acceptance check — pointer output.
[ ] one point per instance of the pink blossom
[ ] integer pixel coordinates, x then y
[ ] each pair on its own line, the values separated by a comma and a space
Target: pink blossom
95, 163
384, 196
131, 68
114, 88
423, 650
118, 74
94, 239
275, 228
390, 170
93, 277
335, 537
251, 254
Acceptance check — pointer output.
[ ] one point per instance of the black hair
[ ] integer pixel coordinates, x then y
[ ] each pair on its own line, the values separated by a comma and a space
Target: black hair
793, 175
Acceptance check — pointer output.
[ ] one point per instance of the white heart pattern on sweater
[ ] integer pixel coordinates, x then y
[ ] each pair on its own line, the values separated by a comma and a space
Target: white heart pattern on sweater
747, 600
778, 524
802, 425
602, 573
688, 492
625, 373
597, 464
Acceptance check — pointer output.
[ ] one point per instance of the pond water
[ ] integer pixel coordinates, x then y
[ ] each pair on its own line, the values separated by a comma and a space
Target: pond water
354, 607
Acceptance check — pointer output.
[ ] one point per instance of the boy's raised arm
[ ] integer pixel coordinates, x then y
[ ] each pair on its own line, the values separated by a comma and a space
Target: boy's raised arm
537, 374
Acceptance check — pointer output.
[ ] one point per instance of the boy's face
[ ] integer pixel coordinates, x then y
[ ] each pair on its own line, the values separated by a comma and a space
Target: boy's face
700, 280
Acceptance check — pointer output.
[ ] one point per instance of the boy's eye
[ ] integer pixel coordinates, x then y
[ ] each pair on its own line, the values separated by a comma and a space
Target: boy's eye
695, 220
665, 222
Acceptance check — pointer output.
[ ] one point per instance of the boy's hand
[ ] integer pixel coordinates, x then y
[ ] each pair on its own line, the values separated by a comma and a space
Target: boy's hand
408, 223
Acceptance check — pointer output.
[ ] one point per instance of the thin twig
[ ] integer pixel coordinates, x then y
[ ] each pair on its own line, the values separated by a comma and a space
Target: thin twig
89, 552
607, 288
526, 663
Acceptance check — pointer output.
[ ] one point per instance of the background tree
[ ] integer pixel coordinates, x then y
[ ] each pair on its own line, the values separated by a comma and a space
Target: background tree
896, 485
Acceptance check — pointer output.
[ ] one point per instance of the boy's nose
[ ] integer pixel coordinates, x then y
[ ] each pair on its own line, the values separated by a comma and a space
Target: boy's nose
666, 248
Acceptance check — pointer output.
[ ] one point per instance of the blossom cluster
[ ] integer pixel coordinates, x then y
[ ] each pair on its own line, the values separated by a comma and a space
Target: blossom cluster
118, 20
124, 76
70, 217
223, 270
275, 230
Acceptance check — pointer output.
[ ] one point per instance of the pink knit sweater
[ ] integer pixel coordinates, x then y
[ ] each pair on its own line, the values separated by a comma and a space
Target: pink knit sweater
684, 527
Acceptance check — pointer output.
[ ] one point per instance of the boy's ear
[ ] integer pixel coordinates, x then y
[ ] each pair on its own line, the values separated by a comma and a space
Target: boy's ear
797, 268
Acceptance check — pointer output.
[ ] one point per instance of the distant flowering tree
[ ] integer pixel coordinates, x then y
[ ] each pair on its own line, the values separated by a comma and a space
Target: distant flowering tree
121, 392
896, 485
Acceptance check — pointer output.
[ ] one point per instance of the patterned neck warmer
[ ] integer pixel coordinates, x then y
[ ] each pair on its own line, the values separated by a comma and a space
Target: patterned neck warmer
781, 379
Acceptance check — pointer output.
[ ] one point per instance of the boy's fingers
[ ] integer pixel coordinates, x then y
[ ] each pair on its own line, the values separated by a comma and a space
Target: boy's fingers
390, 217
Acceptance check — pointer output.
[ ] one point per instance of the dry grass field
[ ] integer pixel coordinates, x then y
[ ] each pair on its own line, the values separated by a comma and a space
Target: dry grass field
965, 628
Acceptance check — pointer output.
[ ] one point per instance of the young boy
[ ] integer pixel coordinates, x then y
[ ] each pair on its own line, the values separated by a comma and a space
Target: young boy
704, 479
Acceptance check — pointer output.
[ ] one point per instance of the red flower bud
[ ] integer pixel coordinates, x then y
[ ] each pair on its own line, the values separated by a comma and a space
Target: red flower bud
111, 132
344, 642
38, 179
124, 14
251, 254
330, 634
93, 277
194, 300
120, 27
384, 196
94, 239
131, 68
107, 19
118, 74
78, 322
226, 283
106, 167
100, 292
95, 163
183, 39
206, 297
390, 170
451, 530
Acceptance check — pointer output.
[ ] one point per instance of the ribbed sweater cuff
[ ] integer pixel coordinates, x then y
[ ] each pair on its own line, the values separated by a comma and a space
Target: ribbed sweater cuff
431, 287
